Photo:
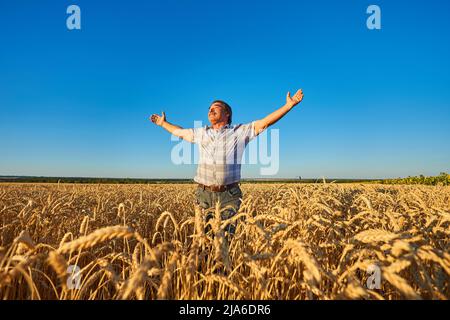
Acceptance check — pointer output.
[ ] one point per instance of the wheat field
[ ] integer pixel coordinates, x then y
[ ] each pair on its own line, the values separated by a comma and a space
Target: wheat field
293, 241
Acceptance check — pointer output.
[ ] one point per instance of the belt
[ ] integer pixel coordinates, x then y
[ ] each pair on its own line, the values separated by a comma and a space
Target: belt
218, 188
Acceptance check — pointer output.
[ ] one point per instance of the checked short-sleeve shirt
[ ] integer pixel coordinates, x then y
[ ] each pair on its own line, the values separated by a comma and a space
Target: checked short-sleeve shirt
220, 152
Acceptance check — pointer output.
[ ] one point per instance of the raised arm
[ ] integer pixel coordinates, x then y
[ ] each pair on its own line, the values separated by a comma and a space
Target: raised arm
261, 125
186, 134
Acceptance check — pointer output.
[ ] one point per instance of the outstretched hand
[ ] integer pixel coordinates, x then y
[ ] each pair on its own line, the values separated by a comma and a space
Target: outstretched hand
157, 119
293, 101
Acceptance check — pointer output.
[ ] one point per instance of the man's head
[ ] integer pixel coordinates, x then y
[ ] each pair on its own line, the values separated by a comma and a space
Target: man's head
219, 111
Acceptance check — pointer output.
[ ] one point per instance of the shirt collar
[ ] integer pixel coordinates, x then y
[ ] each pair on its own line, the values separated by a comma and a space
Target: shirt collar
227, 126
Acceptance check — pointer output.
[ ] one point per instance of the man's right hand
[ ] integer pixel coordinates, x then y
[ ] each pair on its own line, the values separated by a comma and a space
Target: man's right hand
160, 120
157, 119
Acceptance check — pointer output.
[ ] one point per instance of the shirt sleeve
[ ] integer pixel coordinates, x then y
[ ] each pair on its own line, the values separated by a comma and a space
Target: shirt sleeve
196, 134
247, 131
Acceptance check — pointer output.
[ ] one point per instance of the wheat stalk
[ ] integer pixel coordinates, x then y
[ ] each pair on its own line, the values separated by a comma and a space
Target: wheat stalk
98, 236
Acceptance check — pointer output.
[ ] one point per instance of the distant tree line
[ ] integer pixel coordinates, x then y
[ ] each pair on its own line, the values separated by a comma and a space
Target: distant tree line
442, 179
91, 180
155, 181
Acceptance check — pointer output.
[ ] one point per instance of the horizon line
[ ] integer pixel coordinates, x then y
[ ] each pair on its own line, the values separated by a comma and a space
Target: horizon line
187, 178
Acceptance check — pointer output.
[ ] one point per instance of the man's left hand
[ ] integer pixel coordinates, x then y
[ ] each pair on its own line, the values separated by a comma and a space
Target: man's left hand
293, 101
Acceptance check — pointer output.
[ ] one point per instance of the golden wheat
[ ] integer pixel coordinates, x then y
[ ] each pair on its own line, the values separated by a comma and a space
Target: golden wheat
292, 241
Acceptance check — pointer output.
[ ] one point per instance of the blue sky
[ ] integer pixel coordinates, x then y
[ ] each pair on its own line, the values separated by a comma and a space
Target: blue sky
76, 103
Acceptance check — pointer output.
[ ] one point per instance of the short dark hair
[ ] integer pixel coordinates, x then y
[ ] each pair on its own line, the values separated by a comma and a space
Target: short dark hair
226, 106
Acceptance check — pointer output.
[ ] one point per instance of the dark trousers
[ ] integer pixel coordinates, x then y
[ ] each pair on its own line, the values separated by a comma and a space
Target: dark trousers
208, 199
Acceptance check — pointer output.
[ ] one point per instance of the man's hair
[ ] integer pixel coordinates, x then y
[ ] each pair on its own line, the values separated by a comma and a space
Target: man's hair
226, 106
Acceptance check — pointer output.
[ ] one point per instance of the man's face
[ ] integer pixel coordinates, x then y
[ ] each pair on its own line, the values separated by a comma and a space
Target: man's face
217, 113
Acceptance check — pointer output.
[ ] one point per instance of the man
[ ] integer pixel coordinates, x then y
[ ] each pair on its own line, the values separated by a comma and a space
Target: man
221, 146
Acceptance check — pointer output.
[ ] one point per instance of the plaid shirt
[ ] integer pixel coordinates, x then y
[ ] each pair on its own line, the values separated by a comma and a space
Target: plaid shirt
220, 153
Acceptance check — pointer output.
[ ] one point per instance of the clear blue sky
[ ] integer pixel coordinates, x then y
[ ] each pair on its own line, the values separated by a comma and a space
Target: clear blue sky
76, 103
